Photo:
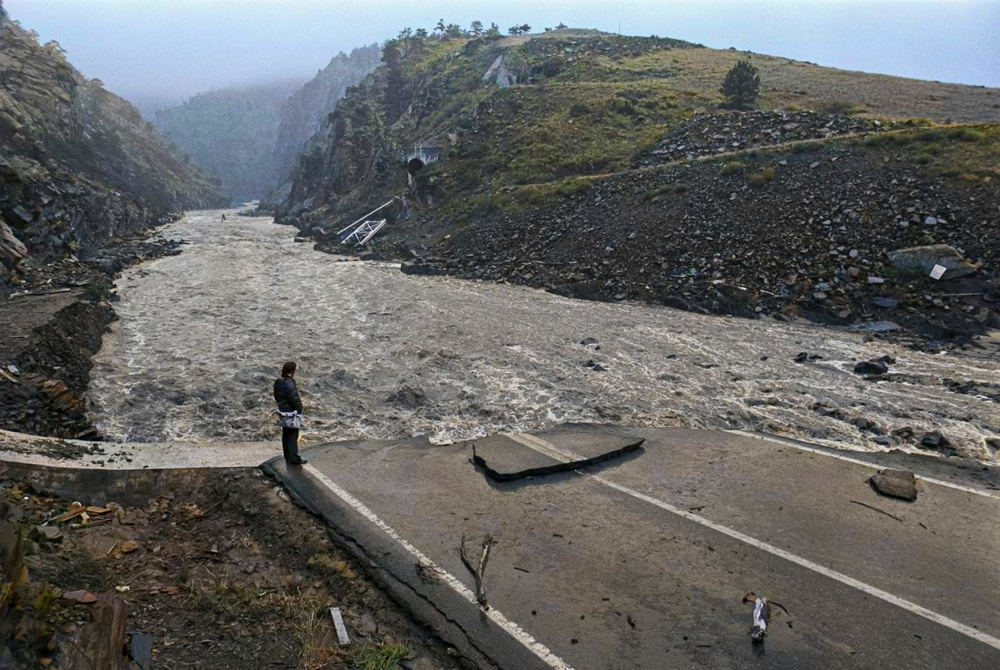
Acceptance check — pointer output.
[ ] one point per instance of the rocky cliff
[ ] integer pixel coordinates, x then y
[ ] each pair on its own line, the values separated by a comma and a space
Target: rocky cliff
78, 165
250, 136
306, 110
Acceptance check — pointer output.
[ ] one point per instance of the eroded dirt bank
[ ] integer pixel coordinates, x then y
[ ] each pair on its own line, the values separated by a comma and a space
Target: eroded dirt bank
383, 354
52, 320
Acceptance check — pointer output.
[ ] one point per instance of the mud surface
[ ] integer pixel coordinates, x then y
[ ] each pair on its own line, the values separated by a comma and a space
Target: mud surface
228, 576
201, 335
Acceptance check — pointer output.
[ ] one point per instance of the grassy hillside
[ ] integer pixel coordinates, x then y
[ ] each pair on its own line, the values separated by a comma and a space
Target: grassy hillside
603, 166
583, 103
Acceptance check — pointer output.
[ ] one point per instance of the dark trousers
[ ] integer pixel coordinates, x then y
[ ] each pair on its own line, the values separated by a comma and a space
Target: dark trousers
290, 444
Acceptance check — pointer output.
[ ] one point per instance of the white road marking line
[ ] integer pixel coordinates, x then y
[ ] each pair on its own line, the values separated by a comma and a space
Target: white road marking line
549, 449
515, 631
858, 461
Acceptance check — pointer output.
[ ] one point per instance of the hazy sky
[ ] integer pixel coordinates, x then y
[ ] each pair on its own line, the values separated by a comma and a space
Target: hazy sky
169, 49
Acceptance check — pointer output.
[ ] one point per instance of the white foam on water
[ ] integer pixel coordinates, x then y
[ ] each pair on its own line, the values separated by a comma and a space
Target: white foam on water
201, 337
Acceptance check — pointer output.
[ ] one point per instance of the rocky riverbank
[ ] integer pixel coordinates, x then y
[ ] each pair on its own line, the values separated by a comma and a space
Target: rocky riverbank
53, 320
811, 231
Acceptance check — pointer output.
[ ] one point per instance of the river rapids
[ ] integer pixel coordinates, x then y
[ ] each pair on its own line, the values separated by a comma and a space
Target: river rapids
202, 335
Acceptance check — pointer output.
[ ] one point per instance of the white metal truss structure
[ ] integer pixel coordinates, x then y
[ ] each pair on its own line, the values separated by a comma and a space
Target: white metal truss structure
364, 228
364, 232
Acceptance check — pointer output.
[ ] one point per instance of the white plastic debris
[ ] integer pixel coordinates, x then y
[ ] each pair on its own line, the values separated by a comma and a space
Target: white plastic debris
338, 623
761, 615
938, 271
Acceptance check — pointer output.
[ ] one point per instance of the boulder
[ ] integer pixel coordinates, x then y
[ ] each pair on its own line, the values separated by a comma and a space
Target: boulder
937, 442
416, 267
895, 483
921, 260
12, 250
871, 368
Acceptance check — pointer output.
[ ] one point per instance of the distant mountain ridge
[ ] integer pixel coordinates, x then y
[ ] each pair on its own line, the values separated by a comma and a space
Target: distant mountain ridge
250, 136
230, 132
306, 110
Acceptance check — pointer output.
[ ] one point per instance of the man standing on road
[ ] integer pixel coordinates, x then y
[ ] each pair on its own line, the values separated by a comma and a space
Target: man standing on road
286, 394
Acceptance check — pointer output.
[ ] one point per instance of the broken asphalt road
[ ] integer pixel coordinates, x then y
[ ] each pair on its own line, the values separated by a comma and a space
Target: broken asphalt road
643, 562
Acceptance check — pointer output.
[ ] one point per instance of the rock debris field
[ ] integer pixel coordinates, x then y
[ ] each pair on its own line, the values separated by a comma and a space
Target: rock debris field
202, 334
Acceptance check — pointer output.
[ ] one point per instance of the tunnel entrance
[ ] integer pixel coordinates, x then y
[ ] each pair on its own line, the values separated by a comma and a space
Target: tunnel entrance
414, 165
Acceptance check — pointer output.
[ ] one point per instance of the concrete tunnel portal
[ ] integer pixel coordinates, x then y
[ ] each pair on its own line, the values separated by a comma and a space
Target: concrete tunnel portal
420, 157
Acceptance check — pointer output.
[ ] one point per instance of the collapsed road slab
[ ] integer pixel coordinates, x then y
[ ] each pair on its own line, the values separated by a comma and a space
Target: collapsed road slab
643, 562
508, 457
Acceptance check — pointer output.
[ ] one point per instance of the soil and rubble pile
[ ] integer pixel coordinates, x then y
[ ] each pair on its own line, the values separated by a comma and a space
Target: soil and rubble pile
53, 325
199, 575
709, 134
840, 233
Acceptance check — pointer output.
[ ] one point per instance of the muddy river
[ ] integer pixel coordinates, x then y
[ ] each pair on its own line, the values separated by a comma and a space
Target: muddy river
201, 336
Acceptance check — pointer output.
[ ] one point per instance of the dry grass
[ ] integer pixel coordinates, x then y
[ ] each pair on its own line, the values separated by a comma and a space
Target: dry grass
331, 564
786, 82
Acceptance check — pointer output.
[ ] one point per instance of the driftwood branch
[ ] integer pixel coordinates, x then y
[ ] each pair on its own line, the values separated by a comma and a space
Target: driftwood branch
876, 509
478, 567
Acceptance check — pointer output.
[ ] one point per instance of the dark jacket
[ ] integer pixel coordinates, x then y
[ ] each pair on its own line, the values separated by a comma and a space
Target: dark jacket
287, 395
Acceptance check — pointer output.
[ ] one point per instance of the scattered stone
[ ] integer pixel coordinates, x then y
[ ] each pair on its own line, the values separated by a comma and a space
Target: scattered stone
938, 442
81, 597
886, 303
871, 368
864, 423
588, 341
140, 650
47, 534
895, 483
993, 444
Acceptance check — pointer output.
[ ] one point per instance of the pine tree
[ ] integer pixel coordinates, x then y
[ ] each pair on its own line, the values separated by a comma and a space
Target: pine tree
476, 28
741, 85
